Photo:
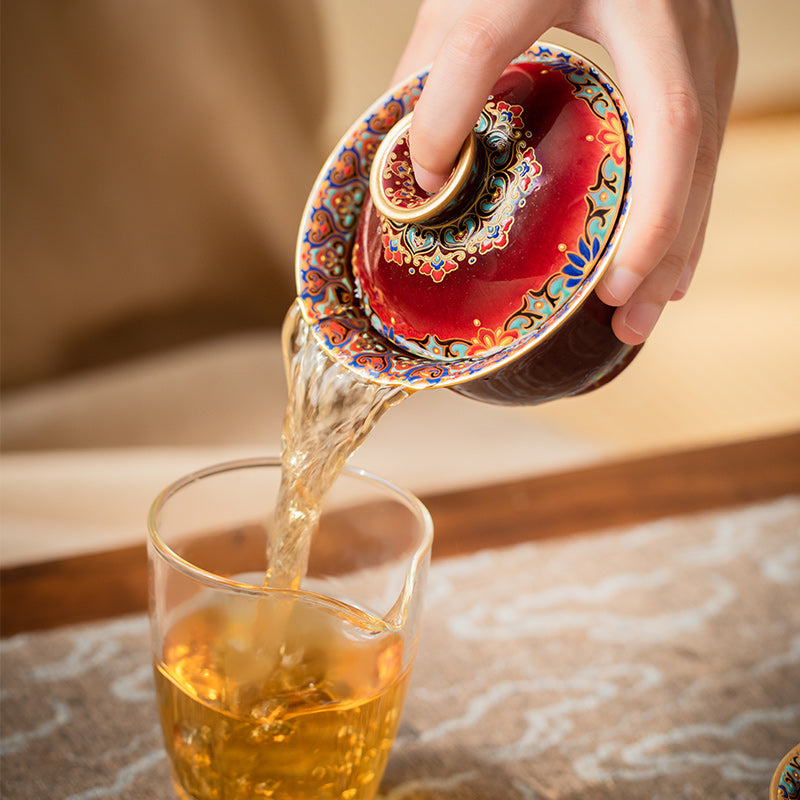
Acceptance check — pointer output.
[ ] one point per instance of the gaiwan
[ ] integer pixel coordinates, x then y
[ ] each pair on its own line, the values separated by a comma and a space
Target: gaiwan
487, 286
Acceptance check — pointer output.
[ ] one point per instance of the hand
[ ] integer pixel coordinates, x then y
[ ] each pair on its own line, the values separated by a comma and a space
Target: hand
676, 64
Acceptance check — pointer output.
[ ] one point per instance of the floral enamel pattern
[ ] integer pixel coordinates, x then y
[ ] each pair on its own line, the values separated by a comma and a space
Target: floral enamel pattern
786, 785
330, 298
436, 250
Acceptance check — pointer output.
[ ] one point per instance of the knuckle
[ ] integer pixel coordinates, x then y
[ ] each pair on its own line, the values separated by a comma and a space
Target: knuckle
679, 108
663, 228
474, 38
705, 168
709, 143
671, 268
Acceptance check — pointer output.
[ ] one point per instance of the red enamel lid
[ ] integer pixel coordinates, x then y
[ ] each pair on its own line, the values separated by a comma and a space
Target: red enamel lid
519, 228
419, 292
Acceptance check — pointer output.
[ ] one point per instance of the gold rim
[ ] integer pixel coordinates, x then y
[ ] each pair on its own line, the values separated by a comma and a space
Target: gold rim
781, 768
436, 202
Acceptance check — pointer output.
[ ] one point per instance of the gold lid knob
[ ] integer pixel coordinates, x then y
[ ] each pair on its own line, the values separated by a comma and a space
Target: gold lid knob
384, 179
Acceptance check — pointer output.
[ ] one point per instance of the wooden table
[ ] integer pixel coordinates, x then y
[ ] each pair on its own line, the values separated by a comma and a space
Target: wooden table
108, 584
623, 631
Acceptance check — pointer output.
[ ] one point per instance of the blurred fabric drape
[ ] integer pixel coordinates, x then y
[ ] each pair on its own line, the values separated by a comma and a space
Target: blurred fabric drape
155, 162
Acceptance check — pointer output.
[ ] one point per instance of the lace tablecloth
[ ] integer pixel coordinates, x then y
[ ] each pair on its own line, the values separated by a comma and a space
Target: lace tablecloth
658, 662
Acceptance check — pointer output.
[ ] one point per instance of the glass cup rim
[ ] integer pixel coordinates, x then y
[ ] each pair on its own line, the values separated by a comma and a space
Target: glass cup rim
211, 579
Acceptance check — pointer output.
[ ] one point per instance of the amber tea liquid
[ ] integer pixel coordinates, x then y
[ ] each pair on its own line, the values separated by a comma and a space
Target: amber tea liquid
281, 698
318, 727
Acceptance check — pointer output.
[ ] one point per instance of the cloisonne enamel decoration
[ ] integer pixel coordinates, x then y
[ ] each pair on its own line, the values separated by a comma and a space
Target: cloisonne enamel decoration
487, 286
785, 783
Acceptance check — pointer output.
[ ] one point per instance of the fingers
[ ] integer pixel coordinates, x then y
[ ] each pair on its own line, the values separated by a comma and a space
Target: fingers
679, 112
676, 63
433, 21
663, 102
473, 54
694, 257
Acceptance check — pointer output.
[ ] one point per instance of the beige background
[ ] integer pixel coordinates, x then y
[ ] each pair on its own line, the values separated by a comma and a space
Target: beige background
156, 158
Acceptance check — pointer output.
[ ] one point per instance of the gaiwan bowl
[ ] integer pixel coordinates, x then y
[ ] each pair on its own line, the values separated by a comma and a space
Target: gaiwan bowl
785, 783
486, 287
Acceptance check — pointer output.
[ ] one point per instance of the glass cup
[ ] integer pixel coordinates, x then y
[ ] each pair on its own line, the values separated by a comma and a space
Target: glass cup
280, 693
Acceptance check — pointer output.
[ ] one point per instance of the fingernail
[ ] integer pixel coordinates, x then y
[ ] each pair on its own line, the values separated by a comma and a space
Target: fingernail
429, 181
642, 318
621, 283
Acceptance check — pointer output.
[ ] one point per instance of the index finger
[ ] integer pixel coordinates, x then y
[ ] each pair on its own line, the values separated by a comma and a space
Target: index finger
472, 56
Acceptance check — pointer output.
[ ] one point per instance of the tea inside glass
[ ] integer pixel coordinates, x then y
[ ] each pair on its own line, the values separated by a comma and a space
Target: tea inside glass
280, 693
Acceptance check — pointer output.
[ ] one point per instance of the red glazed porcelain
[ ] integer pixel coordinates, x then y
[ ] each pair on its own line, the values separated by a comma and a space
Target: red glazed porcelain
487, 286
